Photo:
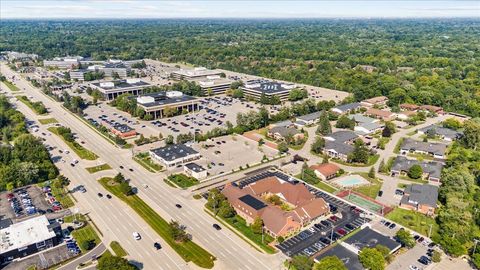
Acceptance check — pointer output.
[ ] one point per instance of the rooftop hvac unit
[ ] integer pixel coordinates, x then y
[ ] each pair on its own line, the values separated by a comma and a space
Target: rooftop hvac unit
213, 77
174, 94
145, 99
133, 81
107, 84
199, 69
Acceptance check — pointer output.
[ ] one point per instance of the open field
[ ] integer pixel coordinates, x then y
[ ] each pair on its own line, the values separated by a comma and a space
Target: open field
414, 221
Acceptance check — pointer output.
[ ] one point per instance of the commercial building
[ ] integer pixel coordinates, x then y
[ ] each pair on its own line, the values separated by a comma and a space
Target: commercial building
436, 150
78, 74
432, 170
256, 88
194, 170
69, 62
118, 68
195, 73
174, 155
112, 89
123, 130
213, 85
370, 238
28, 237
161, 104
420, 198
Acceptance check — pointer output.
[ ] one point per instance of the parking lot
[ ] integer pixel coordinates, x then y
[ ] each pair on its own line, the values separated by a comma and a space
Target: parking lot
22, 203
43, 260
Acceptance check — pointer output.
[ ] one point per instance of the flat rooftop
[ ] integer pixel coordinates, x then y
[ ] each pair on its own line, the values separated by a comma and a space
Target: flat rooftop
194, 167
268, 87
196, 72
349, 258
25, 233
119, 84
174, 151
212, 82
370, 238
161, 98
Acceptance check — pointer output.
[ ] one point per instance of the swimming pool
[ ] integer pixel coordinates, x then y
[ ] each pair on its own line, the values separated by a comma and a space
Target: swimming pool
351, 180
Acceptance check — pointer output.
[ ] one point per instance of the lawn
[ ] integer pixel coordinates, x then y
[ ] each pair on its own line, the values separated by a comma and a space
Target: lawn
84, 234
189, 250
370, 190
81, 151
396, 150
98, 168
372, 159
414, 221
47, 121
36, 107
61, 194
419, 180
11, 86
325, 187
71, 218
182, 180
118, 249
146, 161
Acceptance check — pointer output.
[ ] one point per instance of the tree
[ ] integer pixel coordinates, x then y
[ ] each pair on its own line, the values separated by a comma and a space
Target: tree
226, 210
169, 111
436, 256
345, 122
386, 132
169, 140
371, 259
330, 263
371, 173
452, 123
257, 225
471, 133
405, 237
476, 260
125, 188
282, 147
382, 168
119, 178
301, 262
87, 244
415, 172
324, 126
318, 145
114, 262
209, 92
360, 153
385, 252
177, 231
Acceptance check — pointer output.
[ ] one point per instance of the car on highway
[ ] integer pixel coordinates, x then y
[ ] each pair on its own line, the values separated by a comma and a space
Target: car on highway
130, 169
100, 195
121, 167
109, 196
178, 206
217, 227
157, 245
136, 236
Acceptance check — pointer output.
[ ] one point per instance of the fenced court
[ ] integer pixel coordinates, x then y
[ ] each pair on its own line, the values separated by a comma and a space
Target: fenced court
365, 202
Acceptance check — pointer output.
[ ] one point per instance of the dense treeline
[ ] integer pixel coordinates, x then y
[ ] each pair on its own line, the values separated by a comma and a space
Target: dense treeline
423, 61
23, 158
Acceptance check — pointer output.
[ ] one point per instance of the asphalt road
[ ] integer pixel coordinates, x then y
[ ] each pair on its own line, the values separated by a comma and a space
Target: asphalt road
115, 219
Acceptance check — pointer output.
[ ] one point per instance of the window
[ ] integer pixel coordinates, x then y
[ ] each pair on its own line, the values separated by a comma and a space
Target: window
41, 244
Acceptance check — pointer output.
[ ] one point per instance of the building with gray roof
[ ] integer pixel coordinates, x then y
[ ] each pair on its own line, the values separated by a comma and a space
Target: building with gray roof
361, 119
256, 88
112, 89
370, 238
156, 103
309, 119
337, 149
446, 134
341, 136
282, 132
174, 155
432, 170
345, 108
437, 150
368, 128
421, 198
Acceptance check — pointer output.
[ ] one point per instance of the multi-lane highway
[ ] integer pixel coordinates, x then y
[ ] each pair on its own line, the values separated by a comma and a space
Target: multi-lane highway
118, 221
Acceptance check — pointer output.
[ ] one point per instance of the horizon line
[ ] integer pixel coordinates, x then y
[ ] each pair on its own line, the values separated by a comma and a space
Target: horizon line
244, 18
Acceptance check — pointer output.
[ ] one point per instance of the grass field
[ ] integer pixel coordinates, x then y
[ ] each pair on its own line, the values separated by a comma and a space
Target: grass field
81, 151
11, 86
414, 221
118, 249
146, 162
47, 121
98, 168
371, 160
371, 190
84, 234
189, 250
325, 187
182, 180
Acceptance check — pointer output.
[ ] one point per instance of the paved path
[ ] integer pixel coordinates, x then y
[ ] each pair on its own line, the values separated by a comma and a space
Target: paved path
97, 251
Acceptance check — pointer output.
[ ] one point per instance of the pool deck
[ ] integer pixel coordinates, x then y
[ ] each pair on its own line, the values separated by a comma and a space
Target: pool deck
344, 181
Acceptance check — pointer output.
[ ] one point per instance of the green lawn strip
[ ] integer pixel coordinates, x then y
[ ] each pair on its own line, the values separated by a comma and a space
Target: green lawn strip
370, 190
189, 250
47, 121
71, 218
371, 160
84, 234
396, 150
146, 161
325, 187
420, 156
245, 231
420, 181
415, 221
182, 180
81, 151
29, 104
98, 168
11, 86
60, 193
118, 249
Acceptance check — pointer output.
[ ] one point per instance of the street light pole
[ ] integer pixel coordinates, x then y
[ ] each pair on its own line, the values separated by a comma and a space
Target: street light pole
430, 231
475, 247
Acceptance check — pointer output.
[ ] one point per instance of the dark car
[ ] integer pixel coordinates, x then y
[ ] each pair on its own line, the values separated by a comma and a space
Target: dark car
130, 169
380, 193
325, 240
318, 226
415, 237
100, 194
342, 231
178, 206
387, 223
349, 226
121, 167
424, 260
420, 239
393, 225
333, 208
109, 196
325, 223
157, 245
217, 227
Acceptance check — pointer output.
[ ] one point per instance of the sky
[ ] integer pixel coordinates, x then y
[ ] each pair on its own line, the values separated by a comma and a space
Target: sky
128, 9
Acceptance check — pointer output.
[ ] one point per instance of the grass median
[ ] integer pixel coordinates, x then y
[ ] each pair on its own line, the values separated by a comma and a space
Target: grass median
81, 151
47, 121
98, 168
11, 86
189, 250
37, 107
118, 249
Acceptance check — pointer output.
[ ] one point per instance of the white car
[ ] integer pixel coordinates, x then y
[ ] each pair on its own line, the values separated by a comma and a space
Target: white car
136, 236
413, 267
66, 152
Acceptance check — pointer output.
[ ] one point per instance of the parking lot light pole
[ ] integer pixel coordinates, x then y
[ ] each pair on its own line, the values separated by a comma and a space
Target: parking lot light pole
331, 236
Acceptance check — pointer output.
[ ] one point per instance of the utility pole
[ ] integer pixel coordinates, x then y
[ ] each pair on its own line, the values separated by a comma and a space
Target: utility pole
262, 235
430, 231
475, 247
331, 236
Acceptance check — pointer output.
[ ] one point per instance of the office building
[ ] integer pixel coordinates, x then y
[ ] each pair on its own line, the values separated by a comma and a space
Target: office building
174, 155
256, 88
194, 170
216, 84
69, 62
112, 89
118, 68
157, 103
195, 73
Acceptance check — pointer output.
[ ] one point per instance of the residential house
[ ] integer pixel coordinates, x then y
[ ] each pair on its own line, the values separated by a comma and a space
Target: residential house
381, 114
281, 133
341, 136
405, 115
409, 107
368, 128
325, 171
346, 108
432, 170
286, 123
432, 109
338, 144
375, 101
437, 150
420, 198
309, 119
445, 134
361, 119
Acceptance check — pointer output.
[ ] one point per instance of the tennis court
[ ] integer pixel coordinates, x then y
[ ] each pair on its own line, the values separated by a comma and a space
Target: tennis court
365, 203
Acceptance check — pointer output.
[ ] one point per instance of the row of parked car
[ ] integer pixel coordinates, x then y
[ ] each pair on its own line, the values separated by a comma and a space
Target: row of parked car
22, 205
72, 245
56, 205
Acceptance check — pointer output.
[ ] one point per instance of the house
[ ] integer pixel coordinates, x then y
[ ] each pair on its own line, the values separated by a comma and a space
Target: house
325, 171
361, 119
381, 114
445, 134
375, 101
368, 128
174, 155
27, 237
123, 131
432, 170
309, 119
420, 198
432, 109
341, 136
286, 123
405, 115
409, 107
194, 170
437, 150
346, 108
281, 133
337, 150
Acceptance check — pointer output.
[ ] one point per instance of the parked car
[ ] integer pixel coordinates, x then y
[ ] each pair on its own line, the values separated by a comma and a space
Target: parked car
157, 245
136, 236
100, 195
424, 260
217, 227
178, 206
